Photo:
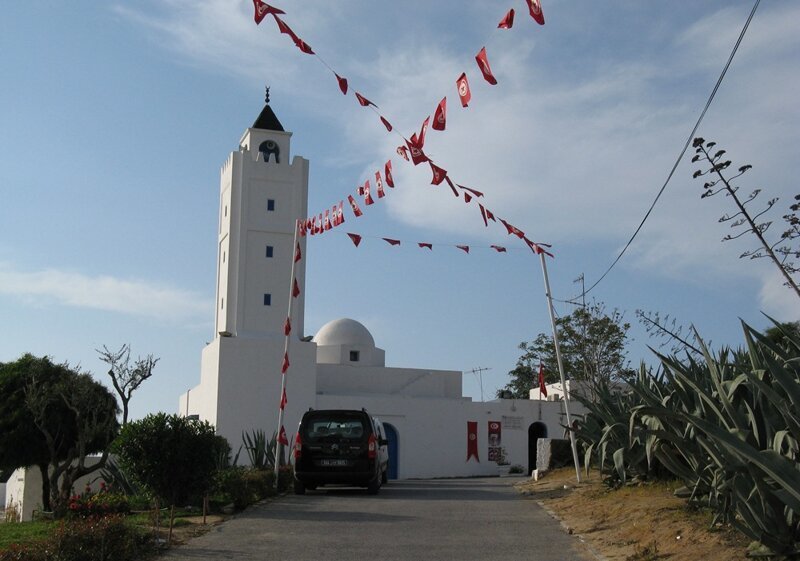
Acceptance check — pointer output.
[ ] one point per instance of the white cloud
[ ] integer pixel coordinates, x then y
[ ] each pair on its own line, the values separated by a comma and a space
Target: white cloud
133, 297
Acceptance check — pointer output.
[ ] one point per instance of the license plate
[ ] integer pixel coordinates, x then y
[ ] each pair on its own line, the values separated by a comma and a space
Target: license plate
337, 462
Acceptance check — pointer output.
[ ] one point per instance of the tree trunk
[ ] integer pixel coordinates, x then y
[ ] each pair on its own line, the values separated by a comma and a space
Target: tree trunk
45, 487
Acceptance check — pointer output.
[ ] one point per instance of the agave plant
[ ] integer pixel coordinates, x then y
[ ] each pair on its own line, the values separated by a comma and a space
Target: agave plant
261, 451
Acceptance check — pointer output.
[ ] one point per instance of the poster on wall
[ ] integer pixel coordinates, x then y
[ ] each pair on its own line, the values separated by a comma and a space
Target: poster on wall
495, 441
472, 440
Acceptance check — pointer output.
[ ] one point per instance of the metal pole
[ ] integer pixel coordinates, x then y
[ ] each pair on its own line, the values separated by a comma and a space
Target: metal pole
278, 445
560, 367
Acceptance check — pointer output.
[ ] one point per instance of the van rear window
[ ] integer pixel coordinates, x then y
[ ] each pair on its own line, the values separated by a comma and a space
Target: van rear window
334, 427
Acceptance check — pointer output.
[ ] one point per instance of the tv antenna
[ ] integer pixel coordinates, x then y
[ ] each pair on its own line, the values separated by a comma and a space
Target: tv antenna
479, 371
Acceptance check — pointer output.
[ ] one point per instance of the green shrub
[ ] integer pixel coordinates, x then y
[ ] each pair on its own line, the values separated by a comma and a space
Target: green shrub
246, 486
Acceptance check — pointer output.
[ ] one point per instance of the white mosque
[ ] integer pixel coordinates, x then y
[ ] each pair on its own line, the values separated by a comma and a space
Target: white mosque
433, 430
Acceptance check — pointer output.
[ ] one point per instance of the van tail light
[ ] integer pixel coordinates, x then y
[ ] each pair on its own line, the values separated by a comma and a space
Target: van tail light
372, 447
298, 447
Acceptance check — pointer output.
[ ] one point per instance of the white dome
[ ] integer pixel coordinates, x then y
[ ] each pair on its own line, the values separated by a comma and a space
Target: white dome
347, 332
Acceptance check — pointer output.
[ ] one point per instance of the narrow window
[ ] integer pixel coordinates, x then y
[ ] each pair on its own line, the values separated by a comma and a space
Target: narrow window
223, 257
354, 356
268, 299
270, 204
222, 304
269, 251
226, 210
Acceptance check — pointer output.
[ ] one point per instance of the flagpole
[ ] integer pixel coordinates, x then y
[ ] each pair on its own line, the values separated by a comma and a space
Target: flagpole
560, 366
278, 443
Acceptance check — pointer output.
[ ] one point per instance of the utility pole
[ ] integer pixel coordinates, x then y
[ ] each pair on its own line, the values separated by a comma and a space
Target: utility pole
479, 371
581, 280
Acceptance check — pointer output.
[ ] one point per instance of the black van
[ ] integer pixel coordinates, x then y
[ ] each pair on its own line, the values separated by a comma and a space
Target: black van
338, 446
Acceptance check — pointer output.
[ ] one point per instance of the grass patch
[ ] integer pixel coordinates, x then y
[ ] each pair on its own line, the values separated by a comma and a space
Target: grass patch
24, 532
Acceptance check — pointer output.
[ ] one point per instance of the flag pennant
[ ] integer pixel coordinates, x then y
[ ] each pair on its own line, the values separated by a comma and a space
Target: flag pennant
483, 64
473, 191
367, 195
440, 116
288, 31
467, 197
417, 155
262, 9
320, 224
356, 239
386, 124
342, 83
513, 229
452, 186
387, 172
297, 253
327, 224
340, 214
483, 215
285, 365
498, 248
284, 401
542, 386
287, 327
403, 151
472, 441
303, 46
424, 129
312, 228
536, 248
508, 21
379, 185
464, 248
295, 289
535, 8
490, 216
353, 205
391, 241
282, 437
438, 174
363, 100
462, 84
425, 244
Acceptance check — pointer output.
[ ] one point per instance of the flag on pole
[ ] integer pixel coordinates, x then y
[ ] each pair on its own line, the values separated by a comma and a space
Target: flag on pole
282, 437
297, 254
295, 289
542, 387
285, 365
284, 401
287, 327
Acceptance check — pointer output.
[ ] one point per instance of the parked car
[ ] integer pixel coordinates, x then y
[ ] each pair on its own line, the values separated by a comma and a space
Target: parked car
339, 446
383, 450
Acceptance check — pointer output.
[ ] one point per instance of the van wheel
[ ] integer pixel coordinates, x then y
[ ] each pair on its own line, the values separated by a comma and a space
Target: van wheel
373, 486
299, 488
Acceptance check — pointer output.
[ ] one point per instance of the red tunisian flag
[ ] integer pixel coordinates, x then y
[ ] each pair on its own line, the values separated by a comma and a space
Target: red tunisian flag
483, 64
297, 254
464, 248
363, 100
287, 327
535, 8
354, 206
426, 244
508, 21
340, 214
342, 83
472, 440
284, 401
387, 171
282, 437
367, 196
542, 387
421, 141
391, 241
386, 124
440, 117
262, 9
379, 185
452, 185
402, 151
417, 155
295, 289
285, 365
498, 248
463, 89
438, 174
355, 238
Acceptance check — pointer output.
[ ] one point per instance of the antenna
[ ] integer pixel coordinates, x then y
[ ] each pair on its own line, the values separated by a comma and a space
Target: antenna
479, 371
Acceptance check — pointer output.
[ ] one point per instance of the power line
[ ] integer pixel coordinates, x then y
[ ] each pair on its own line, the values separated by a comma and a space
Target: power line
685, 146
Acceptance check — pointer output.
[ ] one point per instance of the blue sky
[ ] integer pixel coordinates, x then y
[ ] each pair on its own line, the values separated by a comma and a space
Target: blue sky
115, 118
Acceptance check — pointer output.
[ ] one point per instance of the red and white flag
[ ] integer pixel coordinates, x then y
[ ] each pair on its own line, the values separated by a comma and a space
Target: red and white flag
499, 248
403, 151
490, 215
342, 83
340, 214
363, 100
287, 327
391, 241
320, 224
542, 386
440, 116
297, 254
464, 248
438, 174
355, 238
535, 7
295, 289
483, 215
473, 191
508, 21
513, 229
284, 401
472, 440
387, 172
425, 244
367, 195
452, 185
285, 364
386, 124
262, 9
327, 225
282, 437
379, 185
467, 197
462, 84
421, 140
353, 205
483, 64
417, 155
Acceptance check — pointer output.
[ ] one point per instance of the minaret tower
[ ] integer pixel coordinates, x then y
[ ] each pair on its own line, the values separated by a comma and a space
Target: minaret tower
263, 191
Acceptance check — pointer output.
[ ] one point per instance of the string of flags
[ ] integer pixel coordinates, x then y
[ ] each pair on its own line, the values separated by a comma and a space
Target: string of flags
358, 238
412, 148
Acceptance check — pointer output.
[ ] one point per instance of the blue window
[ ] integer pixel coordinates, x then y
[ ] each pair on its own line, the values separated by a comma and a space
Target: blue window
268, 299
270, 204
269, 251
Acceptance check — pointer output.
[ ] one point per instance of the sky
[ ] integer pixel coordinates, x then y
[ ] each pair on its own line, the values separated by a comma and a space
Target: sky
116, 117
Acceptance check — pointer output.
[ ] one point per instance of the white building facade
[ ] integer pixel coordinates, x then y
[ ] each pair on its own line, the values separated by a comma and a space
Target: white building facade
434, 431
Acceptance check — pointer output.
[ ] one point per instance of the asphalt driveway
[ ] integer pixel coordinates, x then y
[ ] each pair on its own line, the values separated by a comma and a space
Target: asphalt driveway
447, 519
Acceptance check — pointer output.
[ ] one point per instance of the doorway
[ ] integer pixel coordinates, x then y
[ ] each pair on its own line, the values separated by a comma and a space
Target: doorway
536, 431
393, 446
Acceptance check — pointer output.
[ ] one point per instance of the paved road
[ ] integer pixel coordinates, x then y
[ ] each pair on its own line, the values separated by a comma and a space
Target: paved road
453, 519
